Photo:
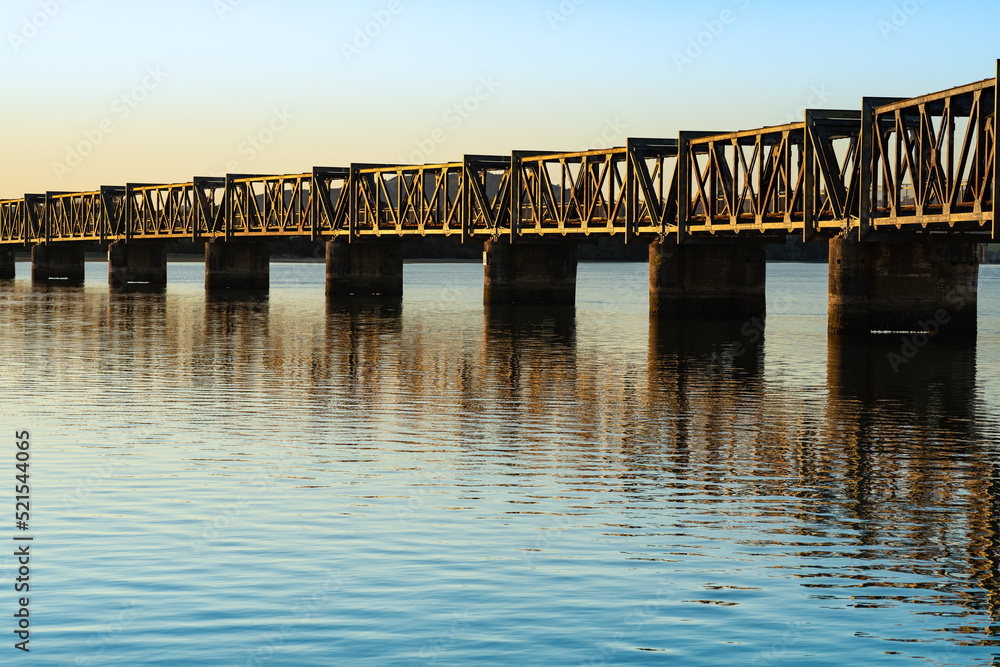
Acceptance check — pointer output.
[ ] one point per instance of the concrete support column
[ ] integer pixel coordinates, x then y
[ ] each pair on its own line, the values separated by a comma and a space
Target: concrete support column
137, 265
708, 280
364, 268
7, 267
58, 263
237, 265
924, 285
530, 273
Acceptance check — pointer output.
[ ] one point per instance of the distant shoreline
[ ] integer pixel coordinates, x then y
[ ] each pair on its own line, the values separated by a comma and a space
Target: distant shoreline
198, 259
193, 259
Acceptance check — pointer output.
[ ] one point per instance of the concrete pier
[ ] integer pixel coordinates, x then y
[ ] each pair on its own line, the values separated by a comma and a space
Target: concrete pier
59, 263
137, 265
909, 286
237, 265
7, 267
364, 268
530, 273
707, 280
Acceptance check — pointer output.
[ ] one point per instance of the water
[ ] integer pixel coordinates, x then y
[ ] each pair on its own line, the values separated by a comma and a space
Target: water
276, 481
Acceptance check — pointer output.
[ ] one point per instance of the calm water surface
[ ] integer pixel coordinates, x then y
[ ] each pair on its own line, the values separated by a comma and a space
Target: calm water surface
276, 480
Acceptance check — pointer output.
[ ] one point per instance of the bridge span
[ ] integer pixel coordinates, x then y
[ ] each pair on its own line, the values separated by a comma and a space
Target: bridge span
901, 189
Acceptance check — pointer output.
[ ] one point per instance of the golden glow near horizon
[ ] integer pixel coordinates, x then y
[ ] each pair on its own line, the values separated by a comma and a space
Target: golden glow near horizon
104, 94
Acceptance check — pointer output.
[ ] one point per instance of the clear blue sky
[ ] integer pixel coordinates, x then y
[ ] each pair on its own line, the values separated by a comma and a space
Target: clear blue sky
101, 93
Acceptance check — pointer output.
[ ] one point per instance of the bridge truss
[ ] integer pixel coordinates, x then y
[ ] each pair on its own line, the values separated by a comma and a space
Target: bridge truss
925, 165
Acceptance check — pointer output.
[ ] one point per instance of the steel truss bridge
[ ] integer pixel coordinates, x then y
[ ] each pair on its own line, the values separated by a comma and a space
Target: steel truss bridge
923, 165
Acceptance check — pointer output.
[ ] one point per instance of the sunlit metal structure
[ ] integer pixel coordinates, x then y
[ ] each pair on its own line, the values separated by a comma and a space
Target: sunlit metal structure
916, 172
920, 164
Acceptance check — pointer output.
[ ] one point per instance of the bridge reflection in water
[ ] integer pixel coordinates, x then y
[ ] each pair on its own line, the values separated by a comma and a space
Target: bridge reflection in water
893, 468
920, 475
680, 446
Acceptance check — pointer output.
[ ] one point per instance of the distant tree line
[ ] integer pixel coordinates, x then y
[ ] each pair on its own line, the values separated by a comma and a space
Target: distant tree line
434, 247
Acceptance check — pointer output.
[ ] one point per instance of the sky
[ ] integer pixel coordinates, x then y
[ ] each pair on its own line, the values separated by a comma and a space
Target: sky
98, 93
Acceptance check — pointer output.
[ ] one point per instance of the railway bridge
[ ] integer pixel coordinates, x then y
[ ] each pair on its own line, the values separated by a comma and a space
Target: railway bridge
901, 189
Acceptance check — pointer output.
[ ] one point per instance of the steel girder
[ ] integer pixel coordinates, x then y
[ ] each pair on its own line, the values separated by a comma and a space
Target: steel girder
799, 177
933, 161
465, 199
625, 191
922, 164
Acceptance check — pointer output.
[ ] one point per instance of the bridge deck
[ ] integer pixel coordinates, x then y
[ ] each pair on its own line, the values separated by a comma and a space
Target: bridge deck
926, 164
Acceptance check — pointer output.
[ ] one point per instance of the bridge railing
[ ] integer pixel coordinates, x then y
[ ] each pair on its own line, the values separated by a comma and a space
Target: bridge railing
628, 190
653, 179
286, 205
189, 210
833, 183
34, 218
12, 221
799, 177
407, 200
330, 202
486, 193
79, 216
932, 160
464, 199
926, 163
268, 205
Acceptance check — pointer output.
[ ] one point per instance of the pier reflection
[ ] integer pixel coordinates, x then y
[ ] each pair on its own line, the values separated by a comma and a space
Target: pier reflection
704, 388
529, 354
362, 346
133, 330
888, 373
529, 348
706, 347
918, 475
235, 345
529, 382
875, 484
